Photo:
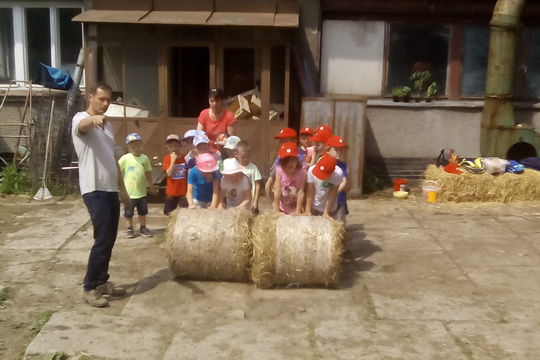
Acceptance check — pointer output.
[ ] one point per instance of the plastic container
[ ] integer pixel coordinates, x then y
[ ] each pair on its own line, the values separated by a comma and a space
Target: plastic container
398, 183
431, 190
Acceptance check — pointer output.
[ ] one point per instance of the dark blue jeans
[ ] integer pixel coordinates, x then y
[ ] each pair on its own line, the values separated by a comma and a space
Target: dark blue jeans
104, 209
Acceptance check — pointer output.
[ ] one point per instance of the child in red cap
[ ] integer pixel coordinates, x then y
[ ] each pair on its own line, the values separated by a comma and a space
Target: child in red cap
306, 152
336, 147
323, 180
290, 181
285, 135
322, 133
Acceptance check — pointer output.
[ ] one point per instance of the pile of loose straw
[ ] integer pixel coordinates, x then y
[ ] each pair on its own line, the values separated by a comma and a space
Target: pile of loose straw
485, 187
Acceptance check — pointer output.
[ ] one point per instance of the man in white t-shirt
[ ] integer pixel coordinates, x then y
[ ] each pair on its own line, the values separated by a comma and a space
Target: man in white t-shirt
99, 180
323, 180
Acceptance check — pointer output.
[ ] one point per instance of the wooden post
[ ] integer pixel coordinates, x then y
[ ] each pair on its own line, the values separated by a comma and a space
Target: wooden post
265, 102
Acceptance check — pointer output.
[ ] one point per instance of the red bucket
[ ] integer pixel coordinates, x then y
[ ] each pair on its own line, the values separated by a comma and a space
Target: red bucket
398, 183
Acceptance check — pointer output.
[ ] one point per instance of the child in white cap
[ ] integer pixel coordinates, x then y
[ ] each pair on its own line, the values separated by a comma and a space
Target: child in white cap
235, 186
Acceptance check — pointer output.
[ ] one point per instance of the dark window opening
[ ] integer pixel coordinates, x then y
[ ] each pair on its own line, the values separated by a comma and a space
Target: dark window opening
414, 48
238, 71
6, 45
38, 36
189, 80
70, 38
475, 59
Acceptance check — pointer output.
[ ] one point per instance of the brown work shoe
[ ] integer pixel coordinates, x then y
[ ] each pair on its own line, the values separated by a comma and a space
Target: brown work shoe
95, 299
109, 289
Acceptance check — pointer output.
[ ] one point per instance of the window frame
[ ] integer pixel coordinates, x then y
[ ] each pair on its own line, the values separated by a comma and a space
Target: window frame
456, 53
20, 40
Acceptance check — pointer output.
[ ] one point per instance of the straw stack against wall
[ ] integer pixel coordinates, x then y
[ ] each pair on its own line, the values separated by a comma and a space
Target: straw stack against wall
209, 244
485, 187
302, 250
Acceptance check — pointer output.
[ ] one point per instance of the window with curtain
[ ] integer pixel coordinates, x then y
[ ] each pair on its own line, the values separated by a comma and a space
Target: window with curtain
6, 45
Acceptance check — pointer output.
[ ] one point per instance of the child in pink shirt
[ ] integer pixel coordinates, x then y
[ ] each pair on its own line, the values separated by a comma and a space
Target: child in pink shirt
290, 181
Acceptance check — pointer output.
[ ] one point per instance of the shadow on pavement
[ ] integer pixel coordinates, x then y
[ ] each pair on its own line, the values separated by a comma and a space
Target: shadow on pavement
357, 249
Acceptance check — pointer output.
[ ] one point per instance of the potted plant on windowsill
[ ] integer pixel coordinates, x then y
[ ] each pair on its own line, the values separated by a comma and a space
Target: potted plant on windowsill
401, 93
423, 86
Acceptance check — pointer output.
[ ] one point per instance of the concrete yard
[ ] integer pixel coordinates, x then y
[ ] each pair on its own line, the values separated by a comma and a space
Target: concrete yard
419, 281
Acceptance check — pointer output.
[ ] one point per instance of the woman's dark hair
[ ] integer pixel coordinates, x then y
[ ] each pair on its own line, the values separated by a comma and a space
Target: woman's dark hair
216, 93
284, 161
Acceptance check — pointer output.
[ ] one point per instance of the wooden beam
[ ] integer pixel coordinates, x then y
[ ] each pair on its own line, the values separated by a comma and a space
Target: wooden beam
266, 57
455, 53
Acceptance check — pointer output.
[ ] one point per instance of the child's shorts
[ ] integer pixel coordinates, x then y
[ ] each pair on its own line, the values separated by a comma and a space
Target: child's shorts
172, 202
201, 204
141, 205
338, 214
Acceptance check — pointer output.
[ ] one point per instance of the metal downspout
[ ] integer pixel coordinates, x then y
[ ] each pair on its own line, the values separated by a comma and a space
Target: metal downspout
498, 115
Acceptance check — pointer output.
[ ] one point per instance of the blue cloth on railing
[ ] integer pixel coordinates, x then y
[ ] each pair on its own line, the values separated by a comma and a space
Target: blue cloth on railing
53, 78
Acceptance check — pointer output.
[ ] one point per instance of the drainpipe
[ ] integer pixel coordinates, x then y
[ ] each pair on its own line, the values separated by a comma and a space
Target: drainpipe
498, 116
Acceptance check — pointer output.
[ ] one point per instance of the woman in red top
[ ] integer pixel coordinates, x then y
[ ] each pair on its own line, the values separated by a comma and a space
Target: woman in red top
216, 119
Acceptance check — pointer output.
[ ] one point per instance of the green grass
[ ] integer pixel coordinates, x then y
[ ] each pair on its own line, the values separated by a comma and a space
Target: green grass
159, 238
42, 319
14, 181
4, 295
52, 356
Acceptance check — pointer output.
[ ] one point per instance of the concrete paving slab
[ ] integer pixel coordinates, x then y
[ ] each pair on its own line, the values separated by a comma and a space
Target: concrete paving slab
242, 340
46, 229
423, 285
512, 291
411, 239
489, 253
383, 339
159, 296
306, 305
499, 341
22, 266
101, 336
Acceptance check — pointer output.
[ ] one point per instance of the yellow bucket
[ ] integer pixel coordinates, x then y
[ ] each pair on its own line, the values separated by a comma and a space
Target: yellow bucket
431, 191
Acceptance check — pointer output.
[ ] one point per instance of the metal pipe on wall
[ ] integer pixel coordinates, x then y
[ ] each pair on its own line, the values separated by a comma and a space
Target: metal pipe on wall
498, 117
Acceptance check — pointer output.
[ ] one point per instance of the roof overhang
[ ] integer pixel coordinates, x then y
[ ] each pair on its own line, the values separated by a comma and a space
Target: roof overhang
272, 13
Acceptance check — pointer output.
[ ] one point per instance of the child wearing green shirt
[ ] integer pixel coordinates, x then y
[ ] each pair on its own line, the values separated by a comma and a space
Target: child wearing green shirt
136, 169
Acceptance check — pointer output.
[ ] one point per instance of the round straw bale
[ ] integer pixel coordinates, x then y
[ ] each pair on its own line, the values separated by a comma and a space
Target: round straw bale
301, 250
209, 244
485, 187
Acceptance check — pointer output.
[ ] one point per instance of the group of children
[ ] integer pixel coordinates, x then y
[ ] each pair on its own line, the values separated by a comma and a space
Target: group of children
308, 176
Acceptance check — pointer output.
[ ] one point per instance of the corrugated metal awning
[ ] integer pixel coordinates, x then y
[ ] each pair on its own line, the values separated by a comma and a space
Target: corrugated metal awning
280, 13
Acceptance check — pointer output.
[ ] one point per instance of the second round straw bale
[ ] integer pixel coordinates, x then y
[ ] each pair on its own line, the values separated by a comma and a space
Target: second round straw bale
209, 244
300, 250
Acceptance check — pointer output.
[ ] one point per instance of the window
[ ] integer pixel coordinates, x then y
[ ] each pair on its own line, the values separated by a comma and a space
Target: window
70, 38
528, 74
474, 62
238, 71
6, 45
38, 38
132, 73
33, 34
414, 48
189, 80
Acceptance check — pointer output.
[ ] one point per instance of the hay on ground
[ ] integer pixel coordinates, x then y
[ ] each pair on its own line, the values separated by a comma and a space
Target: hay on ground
485, 187
299, 250
209, 244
